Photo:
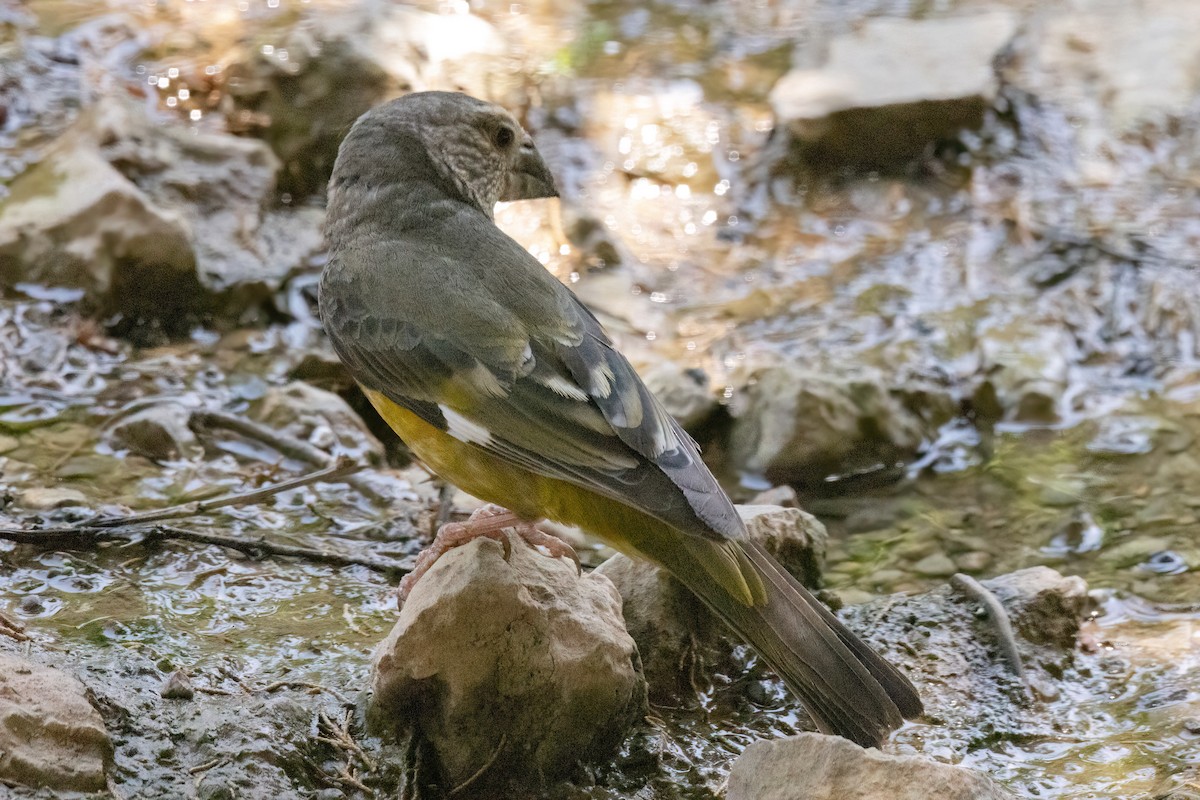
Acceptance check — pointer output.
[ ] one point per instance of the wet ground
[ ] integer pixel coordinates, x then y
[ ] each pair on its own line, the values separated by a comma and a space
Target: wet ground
1030, 293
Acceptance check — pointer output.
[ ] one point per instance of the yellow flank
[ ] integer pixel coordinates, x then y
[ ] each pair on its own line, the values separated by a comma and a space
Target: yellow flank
533, 496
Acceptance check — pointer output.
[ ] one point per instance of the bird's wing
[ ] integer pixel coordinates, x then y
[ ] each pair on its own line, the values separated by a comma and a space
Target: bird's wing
530, 377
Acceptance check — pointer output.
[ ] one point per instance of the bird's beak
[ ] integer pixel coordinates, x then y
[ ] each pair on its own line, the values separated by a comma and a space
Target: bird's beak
531, 178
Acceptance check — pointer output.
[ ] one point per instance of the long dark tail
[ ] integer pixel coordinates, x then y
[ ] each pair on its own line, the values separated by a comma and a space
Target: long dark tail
846, 686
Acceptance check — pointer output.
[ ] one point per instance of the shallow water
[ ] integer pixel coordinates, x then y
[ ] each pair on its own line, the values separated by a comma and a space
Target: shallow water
729, 264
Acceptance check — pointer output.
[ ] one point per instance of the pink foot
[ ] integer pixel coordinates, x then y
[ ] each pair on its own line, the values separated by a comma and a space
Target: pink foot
490, 521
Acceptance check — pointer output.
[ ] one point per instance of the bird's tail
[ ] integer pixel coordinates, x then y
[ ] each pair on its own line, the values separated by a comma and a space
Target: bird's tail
847, 687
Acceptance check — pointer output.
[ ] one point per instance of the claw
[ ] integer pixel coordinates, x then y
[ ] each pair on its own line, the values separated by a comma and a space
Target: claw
490, 521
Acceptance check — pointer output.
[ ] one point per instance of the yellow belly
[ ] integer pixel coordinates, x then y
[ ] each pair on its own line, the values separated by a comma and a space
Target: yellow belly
529, 495
533, 496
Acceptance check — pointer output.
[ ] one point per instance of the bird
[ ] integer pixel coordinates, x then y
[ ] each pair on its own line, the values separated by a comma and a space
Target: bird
504, 384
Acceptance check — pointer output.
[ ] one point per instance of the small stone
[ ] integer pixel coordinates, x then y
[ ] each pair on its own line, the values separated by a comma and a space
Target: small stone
321, 418
178, 687
871, 518
1062, 495
1045, 607
973, 561
782, 496
1192, 726
796, 425
514, 669
938, 565
159, 432
8, 444
813, 766
855, 597
51, 497
50, 736
884, 578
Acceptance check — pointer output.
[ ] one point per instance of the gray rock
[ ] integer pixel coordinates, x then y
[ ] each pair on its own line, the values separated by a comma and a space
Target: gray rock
1027, 363
795, 425
153, 219
321, 418
678, 638
341, 64
1140, 62
936, 565
522, 665
51, 497
159, 432
957, 663
685, 393
893, 86
74, 220
49, 733
816, 767
246, 744
1045, 607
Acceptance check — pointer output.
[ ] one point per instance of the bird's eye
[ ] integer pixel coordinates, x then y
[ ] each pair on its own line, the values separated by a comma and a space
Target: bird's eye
504, 136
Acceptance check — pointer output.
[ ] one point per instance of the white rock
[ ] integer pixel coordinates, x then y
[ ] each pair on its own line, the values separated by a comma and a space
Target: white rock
520, 664
893, 86
1028, 366
812, 766
49, 733
1138, 62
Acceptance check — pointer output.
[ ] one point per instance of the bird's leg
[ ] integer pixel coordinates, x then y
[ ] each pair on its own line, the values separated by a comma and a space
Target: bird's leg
489, 521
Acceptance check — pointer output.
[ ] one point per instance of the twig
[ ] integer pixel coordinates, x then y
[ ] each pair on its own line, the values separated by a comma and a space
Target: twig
341, 698
341, 737
342, 467
288, 446
1001, 624
196, 770
132, 525
259, 547
13, 629
479, 772
60, 537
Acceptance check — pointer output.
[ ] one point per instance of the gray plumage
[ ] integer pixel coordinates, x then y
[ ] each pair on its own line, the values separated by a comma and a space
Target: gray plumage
430, 305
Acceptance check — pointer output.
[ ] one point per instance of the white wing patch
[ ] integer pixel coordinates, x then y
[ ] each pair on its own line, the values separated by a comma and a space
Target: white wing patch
602, 380
482, 378
464, 429
563, 387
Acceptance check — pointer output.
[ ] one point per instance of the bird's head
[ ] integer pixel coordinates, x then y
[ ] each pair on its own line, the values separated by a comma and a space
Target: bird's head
474, 151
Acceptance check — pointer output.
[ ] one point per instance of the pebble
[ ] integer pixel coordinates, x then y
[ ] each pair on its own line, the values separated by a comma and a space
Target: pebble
938, 565
39, 498
973, 561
